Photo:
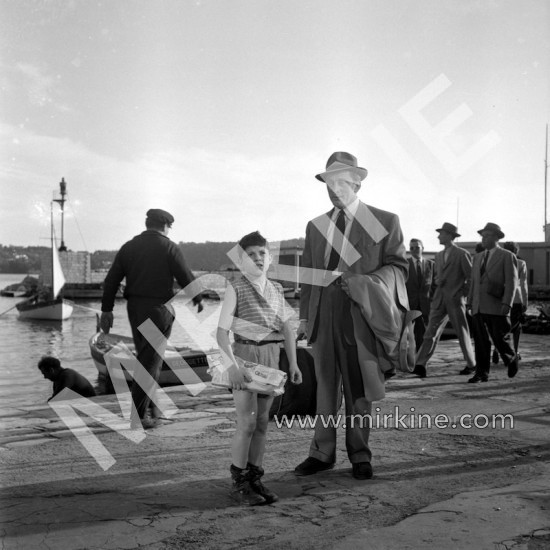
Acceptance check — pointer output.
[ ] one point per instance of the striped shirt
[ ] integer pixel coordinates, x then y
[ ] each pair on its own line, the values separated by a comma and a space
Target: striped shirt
259, 317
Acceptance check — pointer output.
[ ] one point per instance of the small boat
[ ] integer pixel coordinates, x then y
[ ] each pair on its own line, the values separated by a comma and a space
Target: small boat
53, 310
18, 292
48, 304
101, 344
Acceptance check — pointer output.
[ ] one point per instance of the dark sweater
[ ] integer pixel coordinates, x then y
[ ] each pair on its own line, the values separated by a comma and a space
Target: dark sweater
150, 262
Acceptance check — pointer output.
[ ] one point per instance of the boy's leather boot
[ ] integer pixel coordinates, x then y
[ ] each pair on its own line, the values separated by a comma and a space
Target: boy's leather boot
254, 476
241, 491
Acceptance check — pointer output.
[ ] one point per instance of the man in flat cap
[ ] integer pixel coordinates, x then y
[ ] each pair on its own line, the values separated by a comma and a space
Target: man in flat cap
494, 282
150, 262
453, 270
351, 310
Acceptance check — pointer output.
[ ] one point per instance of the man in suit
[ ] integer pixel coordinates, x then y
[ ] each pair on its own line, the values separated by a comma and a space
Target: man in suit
453, 267
521, 296
419, 288
341, 248
494, 282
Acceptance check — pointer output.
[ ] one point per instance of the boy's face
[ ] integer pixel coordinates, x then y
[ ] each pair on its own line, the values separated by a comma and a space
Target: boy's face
256, 261
47, 373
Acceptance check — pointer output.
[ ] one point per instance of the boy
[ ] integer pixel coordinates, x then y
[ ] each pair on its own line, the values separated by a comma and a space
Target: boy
51, 369
254, 309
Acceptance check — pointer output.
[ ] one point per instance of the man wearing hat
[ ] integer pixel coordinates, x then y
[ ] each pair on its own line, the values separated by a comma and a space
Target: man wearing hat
494, 282
150, 262
453, 267
420, 286
351, 253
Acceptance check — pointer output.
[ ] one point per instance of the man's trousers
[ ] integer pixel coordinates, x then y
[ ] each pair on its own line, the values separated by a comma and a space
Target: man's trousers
337, 365
456, 313
162, 317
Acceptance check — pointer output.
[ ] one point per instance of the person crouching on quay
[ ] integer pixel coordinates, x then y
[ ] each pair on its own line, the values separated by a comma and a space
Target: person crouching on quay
254, 309
62, 378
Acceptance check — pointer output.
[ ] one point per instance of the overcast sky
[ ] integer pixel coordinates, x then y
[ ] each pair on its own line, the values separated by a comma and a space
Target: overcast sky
223, 111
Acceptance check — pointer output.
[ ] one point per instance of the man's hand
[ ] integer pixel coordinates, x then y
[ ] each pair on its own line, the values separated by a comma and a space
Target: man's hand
302, 330
505, 309
106, 321
295, 374
344, 282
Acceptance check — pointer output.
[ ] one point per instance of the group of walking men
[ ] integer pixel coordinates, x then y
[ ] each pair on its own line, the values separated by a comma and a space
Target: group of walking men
490, 289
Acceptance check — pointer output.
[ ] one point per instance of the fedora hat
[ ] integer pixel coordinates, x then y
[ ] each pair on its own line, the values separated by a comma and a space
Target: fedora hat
494, 228
340, 162
449, 228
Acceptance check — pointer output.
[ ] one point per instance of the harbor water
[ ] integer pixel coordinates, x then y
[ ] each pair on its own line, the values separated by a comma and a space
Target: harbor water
25, 341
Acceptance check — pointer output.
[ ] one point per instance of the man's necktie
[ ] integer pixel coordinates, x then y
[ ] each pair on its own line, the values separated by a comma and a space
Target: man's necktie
337, 242
484, 262
418, 271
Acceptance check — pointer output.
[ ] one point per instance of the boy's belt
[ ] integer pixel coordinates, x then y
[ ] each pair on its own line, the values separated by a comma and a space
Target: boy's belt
254, 343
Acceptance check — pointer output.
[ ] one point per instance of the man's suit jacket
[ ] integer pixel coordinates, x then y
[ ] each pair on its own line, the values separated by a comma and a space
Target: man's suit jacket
522, 294
377, 237
452, 277
419, 291
500, 273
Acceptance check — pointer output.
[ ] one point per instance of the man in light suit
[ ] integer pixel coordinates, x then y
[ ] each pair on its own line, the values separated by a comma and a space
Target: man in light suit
494, 282
521, 297
453, 267
419, 288
350, 247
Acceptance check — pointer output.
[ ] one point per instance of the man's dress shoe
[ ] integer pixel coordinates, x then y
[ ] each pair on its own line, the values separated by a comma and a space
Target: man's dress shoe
389, 374
477, 378
420, 371
361, 470
311, 466
467, 370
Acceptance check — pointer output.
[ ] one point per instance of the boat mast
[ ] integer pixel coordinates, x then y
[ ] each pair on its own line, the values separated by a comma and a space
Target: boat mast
61, 202
53, 245
546, 229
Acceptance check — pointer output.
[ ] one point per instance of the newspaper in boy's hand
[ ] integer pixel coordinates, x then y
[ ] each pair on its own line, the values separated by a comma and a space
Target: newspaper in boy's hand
264, 379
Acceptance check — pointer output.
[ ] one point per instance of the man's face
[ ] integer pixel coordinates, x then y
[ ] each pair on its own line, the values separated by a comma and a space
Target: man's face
488, 239
444, 237
342, 189
416, 250
256, 261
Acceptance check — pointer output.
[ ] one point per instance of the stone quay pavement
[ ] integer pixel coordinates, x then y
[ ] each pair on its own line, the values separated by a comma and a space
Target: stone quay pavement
457, 486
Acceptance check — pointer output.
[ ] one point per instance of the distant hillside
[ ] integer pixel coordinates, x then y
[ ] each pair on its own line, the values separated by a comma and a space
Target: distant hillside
212, 256
209, 256
21, 259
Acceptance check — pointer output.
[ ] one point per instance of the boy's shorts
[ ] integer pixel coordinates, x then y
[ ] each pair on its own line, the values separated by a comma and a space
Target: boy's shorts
267, 354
